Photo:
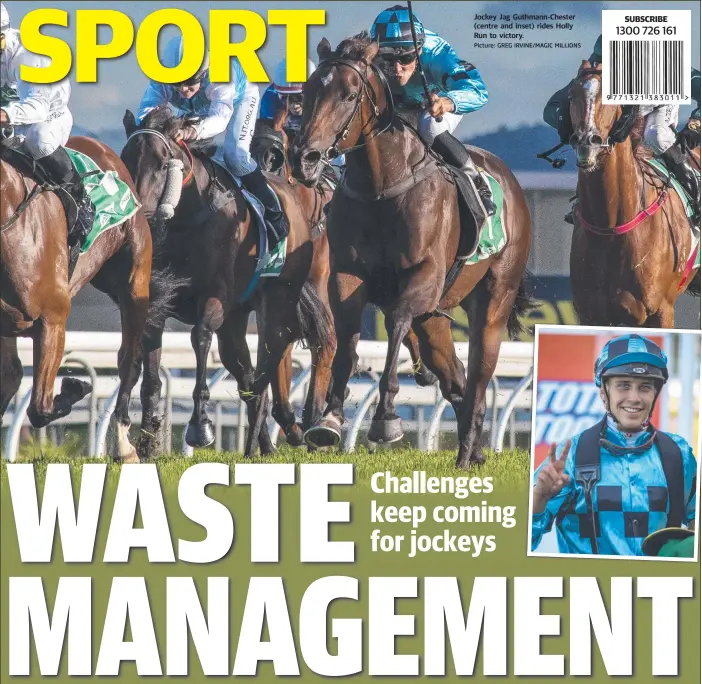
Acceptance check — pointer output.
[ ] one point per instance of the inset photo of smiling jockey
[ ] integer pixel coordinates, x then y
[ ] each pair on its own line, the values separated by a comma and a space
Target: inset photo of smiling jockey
615, 416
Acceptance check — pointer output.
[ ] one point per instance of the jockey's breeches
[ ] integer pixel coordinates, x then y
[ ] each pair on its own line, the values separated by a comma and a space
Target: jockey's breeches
657, 132
429, 127
237, 138
41, 139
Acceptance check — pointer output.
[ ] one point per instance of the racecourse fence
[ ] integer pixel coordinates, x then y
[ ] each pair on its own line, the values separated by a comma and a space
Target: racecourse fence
427, 418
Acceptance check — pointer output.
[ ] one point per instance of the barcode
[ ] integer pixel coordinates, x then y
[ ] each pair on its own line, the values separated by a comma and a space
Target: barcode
639, 67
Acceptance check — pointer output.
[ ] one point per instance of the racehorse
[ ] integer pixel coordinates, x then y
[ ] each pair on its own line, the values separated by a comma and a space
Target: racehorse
631, 237
394, 230
37, 292
216, 251
270, 149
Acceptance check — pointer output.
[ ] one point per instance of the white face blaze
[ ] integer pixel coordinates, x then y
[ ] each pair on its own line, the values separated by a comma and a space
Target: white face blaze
591, 88
326, 80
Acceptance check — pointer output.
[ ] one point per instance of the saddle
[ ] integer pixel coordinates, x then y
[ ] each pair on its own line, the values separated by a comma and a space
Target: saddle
10, 151
471, 212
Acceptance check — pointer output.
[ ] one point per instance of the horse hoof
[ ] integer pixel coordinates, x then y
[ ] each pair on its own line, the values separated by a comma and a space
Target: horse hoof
386, 431
36, 419
425, 378
130, 457
200, 435
325, 435
295, 436
74, 390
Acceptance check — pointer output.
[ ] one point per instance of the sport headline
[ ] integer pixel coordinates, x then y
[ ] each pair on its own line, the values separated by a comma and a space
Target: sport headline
89, 50
443, 605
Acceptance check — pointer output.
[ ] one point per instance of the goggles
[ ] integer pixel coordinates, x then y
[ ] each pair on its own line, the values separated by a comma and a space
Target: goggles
404, 59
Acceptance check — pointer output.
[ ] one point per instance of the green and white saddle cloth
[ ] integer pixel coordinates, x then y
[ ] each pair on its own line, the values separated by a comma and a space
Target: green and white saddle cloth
113, 199
492, 236
662, 170
272, 264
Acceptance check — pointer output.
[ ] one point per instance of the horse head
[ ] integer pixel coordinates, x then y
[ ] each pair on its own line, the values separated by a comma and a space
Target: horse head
596, 126
344, 100
156, 162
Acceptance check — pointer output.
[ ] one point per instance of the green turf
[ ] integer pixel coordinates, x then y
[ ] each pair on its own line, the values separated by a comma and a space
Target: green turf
510, 468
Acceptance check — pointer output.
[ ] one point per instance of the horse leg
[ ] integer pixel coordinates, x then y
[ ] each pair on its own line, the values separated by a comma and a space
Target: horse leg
663, 318
435, 343
488, 309
200, 430
386, 425
275, 335
10, 371
282, 408
134, 306
348, 299
422, 375
235, 357
151, 344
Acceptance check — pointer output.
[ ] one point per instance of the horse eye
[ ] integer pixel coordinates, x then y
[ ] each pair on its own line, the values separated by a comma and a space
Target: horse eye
351, 97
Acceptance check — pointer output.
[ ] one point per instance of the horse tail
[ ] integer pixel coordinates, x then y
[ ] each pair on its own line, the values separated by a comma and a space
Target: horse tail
163, 292
524, 302
314, 322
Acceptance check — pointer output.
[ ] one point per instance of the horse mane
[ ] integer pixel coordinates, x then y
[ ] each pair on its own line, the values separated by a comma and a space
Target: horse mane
162, 119
354, 48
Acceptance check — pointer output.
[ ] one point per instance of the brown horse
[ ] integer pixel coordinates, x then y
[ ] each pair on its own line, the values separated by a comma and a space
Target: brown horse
36, 291
215, 250
631, 238
270, 149
394, 242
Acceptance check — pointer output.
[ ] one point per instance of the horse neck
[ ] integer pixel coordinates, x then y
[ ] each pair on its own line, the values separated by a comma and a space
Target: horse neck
611, 195
386, 158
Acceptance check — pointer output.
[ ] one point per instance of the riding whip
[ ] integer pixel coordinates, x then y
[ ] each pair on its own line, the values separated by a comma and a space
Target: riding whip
425, 83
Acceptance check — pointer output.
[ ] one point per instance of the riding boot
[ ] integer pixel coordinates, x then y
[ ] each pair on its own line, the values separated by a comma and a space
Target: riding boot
60, 169
679, 165
455, 153
256, 183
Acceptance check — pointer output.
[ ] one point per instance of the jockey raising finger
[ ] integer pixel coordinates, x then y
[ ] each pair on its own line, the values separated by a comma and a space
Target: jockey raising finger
38, 114
456, 85
228, 108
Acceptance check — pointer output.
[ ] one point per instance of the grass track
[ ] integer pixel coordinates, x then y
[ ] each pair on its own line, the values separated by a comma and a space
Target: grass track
510, 468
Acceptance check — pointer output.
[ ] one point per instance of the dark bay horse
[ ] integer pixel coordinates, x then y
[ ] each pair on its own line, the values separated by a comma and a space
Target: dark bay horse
270, 149
631, 238
215, 251
394, 242
36, 292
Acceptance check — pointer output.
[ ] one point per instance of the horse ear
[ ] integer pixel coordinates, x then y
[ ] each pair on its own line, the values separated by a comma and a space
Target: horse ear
129, 123
324, 49
371, 52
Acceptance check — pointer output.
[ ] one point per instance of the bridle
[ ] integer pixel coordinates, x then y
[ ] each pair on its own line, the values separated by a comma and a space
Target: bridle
622, 126
366, 90
174, 173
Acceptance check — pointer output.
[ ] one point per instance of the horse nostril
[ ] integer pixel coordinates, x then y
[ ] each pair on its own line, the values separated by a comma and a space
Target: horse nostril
573, 140
312, 157
595, 139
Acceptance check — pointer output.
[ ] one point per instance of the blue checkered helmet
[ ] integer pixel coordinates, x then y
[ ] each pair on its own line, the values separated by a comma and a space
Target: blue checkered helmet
631, 355
392, 30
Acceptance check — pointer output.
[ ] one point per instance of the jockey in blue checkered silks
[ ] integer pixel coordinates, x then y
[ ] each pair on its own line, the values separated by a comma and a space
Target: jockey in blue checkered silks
456, 87
609, 487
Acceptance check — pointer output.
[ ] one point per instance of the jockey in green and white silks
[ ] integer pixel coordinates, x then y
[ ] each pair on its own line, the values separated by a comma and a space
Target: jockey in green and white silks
456, 86
38, 114
658, 134
630, 496
230, 108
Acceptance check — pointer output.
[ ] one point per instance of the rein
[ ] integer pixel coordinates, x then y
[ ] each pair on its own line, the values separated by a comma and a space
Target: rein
181, 143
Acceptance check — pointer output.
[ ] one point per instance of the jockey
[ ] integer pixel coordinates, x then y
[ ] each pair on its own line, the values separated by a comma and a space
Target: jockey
39, 114
228, 108
456, 86
659, 135
283, 94
622, 480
